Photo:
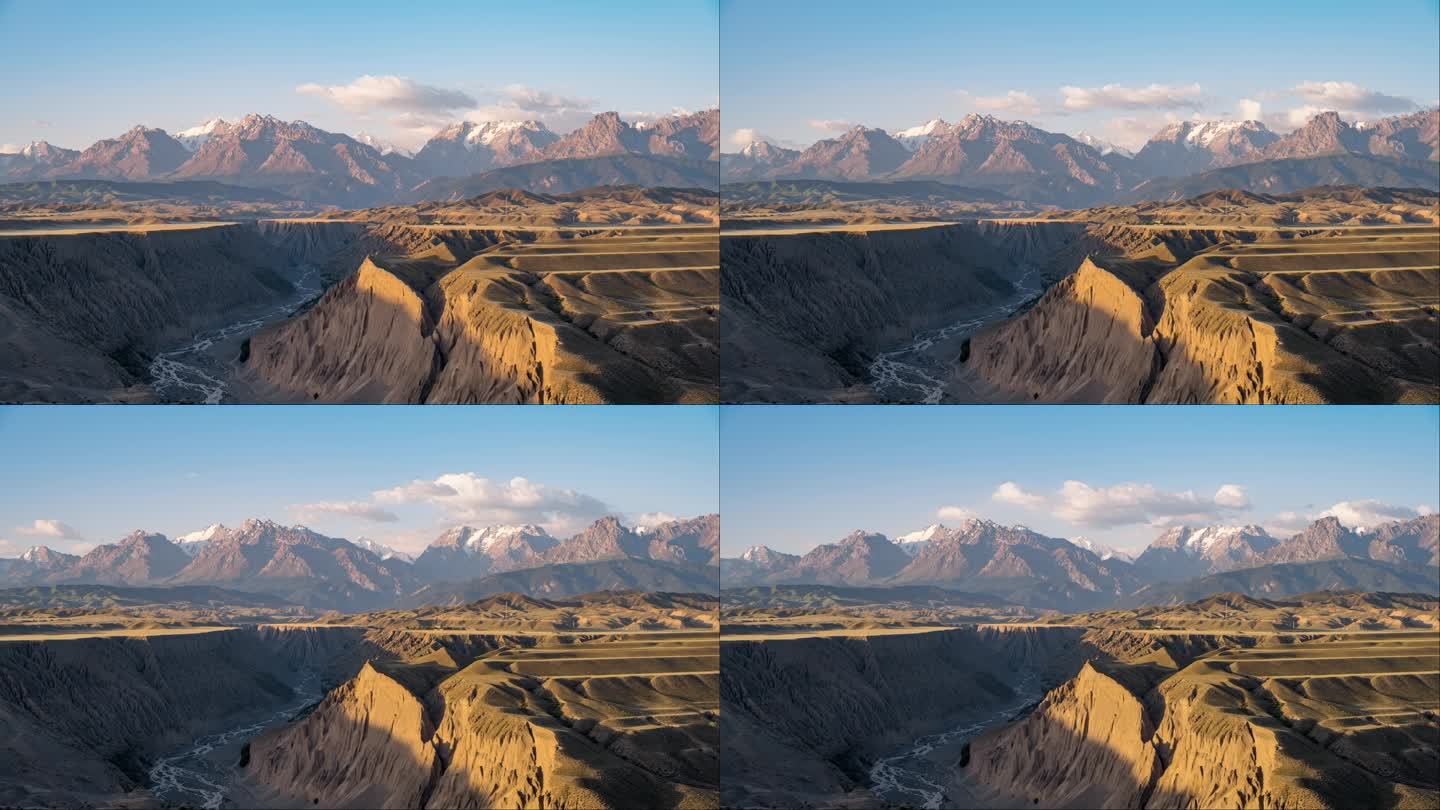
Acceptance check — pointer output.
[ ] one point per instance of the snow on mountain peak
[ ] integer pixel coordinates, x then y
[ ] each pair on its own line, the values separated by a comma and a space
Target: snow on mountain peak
488, 537
1104, 147
1101, 551
382, 551
916, 136
206, 533
922, 535
383, 147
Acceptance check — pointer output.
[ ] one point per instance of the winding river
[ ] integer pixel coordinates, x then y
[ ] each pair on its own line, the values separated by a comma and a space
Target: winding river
912, 777
198, 776
197, 371
910, 374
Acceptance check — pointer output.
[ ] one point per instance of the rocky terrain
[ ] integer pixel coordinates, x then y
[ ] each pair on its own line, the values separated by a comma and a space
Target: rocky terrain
602, 296
609, 700
1321, 701
305, 568
1321, 296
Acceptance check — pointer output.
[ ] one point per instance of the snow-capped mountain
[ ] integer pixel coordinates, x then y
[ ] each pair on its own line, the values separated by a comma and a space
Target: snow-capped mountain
1190, 551
382, 551
472, 147
194, 137
1194, 146
194, 542
1102, 551
912, 542
1104, 147
915, 137
383, 147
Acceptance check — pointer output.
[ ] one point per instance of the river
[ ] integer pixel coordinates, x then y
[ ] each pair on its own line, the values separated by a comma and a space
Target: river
199, 776
198, 371
911, 374
914, 777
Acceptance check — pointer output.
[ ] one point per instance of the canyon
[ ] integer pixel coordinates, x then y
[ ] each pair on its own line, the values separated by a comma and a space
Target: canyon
1320, 701
1322, 296
602, 296
601, 701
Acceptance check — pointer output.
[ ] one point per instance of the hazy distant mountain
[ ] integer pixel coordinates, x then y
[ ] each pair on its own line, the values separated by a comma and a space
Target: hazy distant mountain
382, 146
1288, 176
565, 176
753, 565
570, 579
1102, 551
1414, 136
1102, 146
693, 136
1289, 579
913, 543
382, 551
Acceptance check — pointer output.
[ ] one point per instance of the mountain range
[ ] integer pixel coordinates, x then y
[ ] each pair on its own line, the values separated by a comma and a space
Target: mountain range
1052, 168
314, 165
1018, 563
309, 568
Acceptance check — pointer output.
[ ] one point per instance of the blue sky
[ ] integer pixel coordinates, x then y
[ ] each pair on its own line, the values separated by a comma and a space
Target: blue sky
795, 477
801, 70
74, 72
99, 472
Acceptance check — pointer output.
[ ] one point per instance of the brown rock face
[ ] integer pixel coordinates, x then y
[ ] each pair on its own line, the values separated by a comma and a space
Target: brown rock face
696, 540
1092, 725
138, 559
605, 539
858, 154
858, 559
137, 155
605, 134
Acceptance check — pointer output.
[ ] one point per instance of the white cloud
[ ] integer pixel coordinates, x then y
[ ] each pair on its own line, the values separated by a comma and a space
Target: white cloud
649, 520
530, 98
1232, 496
1126, 504
1131, 132
831, 124
1249, 109
745, 136
55, 529
471, 498
390, 93
1286, 524
355, 509
1351, 97
957, 513
1369, 513
1013, 102
1013, 493
1153, 96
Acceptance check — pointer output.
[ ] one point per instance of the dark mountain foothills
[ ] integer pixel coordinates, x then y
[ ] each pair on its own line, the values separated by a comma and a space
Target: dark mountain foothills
302, 162
1317, 701
597, 701
1325, 295
297, 566
1016, 566
1045, 168
602, 295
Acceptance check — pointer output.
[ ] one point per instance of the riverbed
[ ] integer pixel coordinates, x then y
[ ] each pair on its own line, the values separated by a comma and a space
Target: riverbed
915, 373
201, 774
200, 370
915, 775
